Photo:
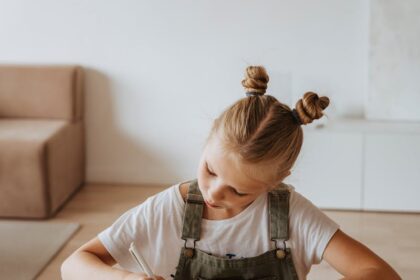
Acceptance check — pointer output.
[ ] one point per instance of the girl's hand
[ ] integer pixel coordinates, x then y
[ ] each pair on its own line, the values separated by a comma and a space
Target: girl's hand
141, 276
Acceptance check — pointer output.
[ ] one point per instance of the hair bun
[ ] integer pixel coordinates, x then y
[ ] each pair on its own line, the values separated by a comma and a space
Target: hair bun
256, 79
311, 106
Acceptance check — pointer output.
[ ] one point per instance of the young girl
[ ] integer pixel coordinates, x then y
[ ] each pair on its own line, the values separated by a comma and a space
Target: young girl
237, 220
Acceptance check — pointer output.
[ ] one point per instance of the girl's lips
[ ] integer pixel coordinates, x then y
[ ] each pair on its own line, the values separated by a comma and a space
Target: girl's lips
211, 205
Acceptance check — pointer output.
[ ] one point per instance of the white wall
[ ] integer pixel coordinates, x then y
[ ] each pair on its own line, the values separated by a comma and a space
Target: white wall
394, 61
158, 72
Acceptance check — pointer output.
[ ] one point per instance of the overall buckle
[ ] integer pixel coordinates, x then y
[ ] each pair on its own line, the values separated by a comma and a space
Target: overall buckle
280, 252
188, 251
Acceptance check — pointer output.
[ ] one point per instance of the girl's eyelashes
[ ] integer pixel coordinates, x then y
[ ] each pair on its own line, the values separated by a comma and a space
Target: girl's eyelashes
240, 194
208, 170
235, 191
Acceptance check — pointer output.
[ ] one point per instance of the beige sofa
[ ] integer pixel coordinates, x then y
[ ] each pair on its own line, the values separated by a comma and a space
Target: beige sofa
42, 138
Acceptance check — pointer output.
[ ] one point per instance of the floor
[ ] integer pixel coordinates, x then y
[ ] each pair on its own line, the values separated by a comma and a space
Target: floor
394, 237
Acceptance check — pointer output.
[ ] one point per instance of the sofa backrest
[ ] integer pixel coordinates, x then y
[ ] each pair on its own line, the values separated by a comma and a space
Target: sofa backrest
41, 91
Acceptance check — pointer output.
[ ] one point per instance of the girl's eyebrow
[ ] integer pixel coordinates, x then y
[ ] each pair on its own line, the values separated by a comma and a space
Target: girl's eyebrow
212, 170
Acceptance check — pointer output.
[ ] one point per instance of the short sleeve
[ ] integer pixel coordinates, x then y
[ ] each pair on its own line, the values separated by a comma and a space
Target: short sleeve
155, 226
312, 229
126, 229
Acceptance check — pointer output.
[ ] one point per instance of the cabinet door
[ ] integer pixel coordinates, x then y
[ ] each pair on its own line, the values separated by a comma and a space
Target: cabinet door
392, 176
328, 170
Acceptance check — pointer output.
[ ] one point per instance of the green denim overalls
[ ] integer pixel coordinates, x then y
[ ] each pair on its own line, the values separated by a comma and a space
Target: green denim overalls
275, 264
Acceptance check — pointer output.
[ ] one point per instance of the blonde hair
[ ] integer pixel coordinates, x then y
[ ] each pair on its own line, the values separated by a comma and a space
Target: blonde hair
260, 129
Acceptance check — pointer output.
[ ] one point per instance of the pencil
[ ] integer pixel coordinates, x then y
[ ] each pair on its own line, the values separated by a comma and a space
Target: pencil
140, 260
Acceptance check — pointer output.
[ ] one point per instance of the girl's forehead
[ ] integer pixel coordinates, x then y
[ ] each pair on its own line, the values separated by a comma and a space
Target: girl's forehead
229, 166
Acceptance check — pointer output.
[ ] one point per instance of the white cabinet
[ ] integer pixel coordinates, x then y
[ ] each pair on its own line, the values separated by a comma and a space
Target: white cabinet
329, 169
392, 172
361, 165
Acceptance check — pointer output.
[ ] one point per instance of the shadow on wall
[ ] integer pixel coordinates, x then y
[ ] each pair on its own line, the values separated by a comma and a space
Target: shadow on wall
113, 156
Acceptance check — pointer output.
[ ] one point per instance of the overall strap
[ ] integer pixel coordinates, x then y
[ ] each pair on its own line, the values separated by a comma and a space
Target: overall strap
193, 213
279, 214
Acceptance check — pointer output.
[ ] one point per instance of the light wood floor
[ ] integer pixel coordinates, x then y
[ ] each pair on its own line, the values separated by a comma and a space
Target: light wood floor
394, 237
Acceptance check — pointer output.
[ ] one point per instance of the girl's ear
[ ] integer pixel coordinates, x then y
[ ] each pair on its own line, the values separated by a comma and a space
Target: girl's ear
285, 175
279, 182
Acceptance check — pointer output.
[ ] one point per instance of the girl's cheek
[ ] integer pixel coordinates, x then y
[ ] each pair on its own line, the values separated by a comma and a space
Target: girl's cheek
203, 184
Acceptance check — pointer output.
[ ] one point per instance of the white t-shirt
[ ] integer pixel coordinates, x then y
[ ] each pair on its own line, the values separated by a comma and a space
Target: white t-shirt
156, 225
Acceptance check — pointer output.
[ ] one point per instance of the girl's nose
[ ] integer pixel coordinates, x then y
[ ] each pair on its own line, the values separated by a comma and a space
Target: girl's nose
216, 192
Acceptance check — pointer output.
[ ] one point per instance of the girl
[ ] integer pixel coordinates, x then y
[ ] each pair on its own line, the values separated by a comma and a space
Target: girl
237, 220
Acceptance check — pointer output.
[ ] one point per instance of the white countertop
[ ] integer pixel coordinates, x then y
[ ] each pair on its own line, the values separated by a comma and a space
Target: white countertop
362, 125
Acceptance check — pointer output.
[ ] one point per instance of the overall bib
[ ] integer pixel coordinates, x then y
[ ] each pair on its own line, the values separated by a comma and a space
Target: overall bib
275, 264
